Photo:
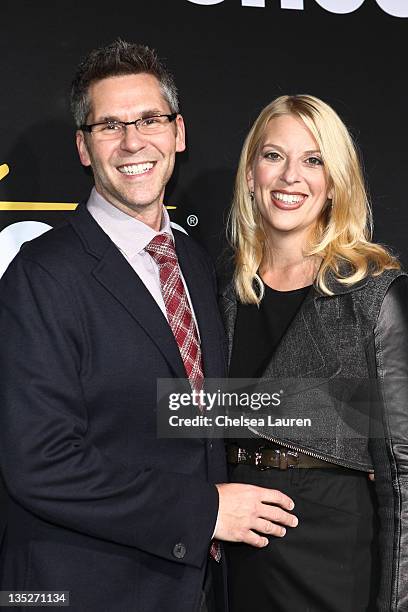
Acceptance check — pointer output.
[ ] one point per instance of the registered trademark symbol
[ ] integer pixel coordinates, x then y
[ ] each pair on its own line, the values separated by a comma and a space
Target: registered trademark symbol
192, 220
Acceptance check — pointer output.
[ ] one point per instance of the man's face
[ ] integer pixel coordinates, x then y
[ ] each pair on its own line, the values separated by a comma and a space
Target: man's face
132, 171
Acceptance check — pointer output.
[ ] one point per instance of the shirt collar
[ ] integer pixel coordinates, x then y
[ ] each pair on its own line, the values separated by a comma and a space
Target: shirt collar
130, 235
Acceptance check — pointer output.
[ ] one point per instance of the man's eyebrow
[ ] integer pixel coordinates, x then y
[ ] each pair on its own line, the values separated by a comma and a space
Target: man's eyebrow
153, 111
143, 114
109, 118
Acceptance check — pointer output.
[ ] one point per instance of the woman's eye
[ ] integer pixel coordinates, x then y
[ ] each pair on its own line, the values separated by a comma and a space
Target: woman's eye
314, 161
272, 155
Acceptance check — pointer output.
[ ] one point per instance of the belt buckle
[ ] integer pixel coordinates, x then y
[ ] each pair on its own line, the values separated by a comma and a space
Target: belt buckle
241, 455
285, 457
258, 458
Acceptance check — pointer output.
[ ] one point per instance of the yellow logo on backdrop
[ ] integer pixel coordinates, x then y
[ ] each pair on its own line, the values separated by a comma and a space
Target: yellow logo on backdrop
5, 170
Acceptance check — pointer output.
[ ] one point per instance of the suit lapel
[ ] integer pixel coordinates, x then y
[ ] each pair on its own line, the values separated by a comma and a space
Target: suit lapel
205, 306
117, 276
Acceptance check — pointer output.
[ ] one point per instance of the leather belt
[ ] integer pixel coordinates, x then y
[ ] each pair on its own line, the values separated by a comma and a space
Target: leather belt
279, 457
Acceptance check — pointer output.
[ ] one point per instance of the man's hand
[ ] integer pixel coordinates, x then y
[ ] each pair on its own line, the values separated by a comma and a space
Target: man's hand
247, 509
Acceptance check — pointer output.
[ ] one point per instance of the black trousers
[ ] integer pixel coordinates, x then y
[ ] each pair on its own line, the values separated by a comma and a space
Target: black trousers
327, 564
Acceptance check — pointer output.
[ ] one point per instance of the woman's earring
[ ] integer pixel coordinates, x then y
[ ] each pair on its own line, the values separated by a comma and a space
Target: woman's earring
252, 195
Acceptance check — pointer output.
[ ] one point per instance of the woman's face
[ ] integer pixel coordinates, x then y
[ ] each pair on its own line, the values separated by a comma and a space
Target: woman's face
288, 178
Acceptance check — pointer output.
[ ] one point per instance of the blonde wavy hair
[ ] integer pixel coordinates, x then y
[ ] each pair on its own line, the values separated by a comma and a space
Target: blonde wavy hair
341, 236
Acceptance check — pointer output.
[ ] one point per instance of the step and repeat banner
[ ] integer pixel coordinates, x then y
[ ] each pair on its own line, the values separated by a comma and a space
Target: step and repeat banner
230, 58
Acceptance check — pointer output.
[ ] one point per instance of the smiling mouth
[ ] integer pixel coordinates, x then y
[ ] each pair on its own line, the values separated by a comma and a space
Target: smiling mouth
135, 169
288, 201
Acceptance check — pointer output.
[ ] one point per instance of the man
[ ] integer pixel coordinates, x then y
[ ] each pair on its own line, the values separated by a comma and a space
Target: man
98, 505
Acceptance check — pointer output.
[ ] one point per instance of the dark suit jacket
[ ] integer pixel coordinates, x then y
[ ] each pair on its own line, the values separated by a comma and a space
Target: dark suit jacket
97, 504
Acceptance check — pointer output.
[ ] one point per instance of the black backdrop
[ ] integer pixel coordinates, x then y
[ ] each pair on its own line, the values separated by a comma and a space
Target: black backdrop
229, 61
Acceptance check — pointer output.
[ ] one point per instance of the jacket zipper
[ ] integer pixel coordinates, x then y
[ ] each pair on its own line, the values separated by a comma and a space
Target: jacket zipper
304, 451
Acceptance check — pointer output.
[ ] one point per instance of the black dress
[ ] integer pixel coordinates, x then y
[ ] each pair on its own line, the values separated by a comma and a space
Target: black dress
328, 562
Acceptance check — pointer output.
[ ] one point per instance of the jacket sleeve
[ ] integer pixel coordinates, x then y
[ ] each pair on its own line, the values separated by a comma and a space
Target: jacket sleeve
48, 464
389, 445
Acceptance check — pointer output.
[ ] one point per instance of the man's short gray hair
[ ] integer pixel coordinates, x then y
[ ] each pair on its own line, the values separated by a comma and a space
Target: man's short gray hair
116, 59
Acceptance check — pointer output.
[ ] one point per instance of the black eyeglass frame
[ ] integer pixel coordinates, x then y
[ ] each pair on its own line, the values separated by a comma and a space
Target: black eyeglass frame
88, 128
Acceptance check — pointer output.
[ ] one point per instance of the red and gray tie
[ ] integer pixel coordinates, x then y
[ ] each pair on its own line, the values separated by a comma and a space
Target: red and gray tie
179, 314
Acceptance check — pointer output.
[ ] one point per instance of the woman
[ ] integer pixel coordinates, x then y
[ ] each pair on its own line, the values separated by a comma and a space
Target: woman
317, 308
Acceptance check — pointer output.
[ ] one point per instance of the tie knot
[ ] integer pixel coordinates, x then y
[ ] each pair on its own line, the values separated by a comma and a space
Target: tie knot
161, 248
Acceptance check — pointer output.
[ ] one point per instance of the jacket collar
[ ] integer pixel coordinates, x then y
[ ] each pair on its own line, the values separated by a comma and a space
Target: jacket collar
305, 352
130, 235
333, 284
338, 288
113, 272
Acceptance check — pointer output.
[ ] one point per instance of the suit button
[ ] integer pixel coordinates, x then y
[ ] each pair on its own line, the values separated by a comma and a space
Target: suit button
179, 550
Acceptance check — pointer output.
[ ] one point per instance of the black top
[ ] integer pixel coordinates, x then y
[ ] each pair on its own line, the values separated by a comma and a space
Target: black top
258, 331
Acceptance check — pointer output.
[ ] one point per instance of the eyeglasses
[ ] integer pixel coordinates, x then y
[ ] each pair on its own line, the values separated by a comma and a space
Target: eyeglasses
109, 130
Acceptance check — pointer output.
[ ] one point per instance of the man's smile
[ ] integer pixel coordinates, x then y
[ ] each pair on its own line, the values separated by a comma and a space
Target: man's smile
132, 169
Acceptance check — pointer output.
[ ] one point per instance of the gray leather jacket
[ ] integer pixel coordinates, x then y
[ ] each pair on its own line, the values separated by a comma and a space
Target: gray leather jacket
335, 347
